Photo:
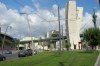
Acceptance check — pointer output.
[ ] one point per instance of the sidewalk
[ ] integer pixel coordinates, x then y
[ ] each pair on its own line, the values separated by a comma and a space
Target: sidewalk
98, 61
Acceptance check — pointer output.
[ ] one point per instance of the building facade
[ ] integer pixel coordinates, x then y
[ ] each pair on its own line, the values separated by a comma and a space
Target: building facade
73, 16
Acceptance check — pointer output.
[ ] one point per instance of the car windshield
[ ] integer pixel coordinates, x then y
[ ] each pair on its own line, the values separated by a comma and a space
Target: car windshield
29, 49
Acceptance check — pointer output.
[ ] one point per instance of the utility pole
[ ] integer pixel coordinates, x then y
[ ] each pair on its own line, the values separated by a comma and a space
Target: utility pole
30, 32
62, 38
59, 29
19, 41
3, 42
94, 19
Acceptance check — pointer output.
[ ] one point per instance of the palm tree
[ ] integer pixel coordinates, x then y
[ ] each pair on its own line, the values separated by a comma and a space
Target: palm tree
92, 37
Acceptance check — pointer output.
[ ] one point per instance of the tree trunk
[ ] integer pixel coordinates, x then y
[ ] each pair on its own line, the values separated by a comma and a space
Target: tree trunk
95, 47
67, 49
92, 47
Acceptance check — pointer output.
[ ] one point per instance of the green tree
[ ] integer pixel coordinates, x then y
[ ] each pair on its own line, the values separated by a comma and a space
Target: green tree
92, 37
67, 45
17, 41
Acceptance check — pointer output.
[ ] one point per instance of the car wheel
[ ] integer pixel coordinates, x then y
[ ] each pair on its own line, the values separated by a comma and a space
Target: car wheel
18, 56
4, 59
31, 54
26, 55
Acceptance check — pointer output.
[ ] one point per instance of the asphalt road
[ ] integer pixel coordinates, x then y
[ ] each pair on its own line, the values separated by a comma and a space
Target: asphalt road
12, 56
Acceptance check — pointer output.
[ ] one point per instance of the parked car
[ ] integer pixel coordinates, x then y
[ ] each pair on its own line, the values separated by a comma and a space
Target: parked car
8, 52
24, 53
2, 57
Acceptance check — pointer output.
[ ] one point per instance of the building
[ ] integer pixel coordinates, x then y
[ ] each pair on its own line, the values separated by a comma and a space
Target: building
73, 16
8, 42
52, 32
39, 43
49, 42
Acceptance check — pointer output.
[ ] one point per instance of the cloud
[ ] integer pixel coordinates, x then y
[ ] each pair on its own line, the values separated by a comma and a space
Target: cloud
38, 20
41, 20
26, 9
87, 21
98, 18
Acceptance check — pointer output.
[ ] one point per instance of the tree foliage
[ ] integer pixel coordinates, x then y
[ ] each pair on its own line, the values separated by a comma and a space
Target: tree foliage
67, 45
92, 36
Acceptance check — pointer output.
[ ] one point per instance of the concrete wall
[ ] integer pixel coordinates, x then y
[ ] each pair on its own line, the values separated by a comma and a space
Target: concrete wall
72, 24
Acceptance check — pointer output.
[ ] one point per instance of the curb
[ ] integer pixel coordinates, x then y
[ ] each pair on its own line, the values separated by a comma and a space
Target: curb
97, 61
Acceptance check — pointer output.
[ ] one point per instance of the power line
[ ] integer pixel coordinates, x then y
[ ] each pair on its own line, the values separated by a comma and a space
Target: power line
34, 13
42, 17
85, 25
38, 14
23, 6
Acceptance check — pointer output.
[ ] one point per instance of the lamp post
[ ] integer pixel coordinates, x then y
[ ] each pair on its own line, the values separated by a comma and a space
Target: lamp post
3, 42
30, 32
94, 19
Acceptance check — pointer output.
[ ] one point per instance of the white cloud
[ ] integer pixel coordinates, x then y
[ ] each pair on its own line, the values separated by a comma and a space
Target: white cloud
38, 20
39, 25
26, 9
87, 21
98, 18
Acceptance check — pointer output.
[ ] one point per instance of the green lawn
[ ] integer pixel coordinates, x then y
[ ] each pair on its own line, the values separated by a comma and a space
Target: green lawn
72, 58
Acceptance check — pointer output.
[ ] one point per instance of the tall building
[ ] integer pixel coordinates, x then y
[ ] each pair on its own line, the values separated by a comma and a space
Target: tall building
73, 16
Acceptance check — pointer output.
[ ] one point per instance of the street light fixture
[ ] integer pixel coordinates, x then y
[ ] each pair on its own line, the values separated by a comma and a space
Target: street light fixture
3, 42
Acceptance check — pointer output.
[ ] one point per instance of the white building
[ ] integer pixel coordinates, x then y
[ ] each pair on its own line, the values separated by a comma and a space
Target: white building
37, 45
52, 32
73, 19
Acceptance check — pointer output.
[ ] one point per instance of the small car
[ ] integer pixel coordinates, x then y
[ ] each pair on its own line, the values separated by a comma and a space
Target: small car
2, 57
24, 53
8, 52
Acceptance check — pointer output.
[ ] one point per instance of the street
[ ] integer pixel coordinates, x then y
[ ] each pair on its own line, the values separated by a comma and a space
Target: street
12, 56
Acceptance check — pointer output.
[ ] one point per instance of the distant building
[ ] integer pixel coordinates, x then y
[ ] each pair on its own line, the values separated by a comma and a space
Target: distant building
73, 16
39, 44
49, 34
8, 43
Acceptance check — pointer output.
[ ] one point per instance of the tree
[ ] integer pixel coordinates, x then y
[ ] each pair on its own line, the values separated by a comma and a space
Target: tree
92, 37
17, 41
67, 45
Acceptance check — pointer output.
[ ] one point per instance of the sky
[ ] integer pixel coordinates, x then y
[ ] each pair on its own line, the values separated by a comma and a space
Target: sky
42, 15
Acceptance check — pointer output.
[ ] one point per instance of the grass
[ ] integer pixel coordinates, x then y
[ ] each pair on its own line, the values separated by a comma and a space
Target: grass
72, 58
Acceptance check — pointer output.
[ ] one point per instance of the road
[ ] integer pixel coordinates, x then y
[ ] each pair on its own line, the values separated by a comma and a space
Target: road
12, 56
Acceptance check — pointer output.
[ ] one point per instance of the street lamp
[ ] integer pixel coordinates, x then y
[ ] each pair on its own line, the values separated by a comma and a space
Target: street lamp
94, 19
3, 42
30, 32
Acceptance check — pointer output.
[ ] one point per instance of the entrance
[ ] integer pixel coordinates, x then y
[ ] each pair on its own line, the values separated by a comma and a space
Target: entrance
74, 46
